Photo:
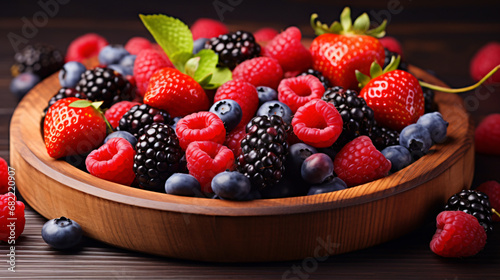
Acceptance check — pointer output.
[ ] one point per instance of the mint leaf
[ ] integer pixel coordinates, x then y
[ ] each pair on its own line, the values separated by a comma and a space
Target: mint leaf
192, 65
179, 59
219, 77
207, 63
170, 33
203, 68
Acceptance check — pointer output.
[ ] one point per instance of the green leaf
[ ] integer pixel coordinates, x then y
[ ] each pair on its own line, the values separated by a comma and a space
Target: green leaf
179, 59
192, 65
379, 31
220, 76
393, 64
345, 19
81, 104
207, 63
362, 79
362, 24
170, 33
375, 70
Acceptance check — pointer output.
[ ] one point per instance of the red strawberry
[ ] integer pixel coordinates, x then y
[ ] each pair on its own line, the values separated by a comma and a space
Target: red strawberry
487, 58
208, 28
288, 50
395, 96
343, 48
175, 92
72, 130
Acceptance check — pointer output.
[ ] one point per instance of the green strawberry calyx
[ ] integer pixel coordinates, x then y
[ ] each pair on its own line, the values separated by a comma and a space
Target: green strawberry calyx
376, 70
97, 106
175, 38
361, 25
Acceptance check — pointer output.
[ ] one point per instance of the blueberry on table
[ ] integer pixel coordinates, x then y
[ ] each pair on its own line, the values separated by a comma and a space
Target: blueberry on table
231, 185
229, 111
23, 83
399, 156
182, 184
336, 184
62, 233
316, 168
417, 139
266, 94
70, 74
436, 126
276, 108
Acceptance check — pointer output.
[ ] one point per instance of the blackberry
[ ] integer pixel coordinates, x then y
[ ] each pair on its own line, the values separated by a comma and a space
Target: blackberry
383, 137
263, 151
357, 116
472, 202
158, 156
65, 93
39, 59
430, 105
234, 48
104, 84
388, 55
318, 75
139, 116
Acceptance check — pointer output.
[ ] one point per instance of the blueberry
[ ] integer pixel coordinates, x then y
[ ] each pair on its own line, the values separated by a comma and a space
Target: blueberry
336, 184
399, 157
436, 125
182, 184
416, 139
199, 44
229, 111
270, 108
266, 94
122, 134
23, 83
112, 54
62, 233
71, 73
124, 71
297, 153
231, 185
127, 63
316, 168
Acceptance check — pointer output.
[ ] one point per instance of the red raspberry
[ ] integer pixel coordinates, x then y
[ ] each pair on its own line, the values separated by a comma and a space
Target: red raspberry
116, 112
359, 162
113, 161
259, 71
208, 28
317, 123
205, 159
287, 48
4, 176
136, 44
297, 91
8, 212
458, 234
492, 190
244, 94
487, 58
201, 126
85, 47
487, 135
233, 139
264, 35
392, 44
146, 64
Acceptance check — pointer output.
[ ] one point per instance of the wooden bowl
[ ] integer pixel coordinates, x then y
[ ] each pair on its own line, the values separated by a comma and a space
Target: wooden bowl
225, 231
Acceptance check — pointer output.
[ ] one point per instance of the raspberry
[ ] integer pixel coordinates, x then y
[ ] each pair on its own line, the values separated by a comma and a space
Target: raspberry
297, 91
317, 123
458, 234
146, 64
289, 51
136, 44
4, 176
484, 61
201, 126
360, 162
492, 190
391, 44
208, 28
242, 92
259, 71
264, 35
113, 161
487, 135
205, 159
85, 47
233, 139
116, 112
6, 216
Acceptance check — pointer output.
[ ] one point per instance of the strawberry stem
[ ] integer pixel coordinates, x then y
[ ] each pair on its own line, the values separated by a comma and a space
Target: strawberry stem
460, 90
495, 212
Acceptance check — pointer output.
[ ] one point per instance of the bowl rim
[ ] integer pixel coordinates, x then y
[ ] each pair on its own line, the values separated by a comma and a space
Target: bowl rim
34, 153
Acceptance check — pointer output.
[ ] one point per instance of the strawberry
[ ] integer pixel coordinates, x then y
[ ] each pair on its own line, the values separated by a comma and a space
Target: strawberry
343, 48
175, 92
72, 128
395, 96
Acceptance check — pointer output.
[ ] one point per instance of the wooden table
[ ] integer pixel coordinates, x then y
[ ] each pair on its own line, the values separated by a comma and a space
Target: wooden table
445, 48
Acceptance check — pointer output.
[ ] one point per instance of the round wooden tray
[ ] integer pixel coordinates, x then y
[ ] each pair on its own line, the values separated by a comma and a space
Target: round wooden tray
226, 231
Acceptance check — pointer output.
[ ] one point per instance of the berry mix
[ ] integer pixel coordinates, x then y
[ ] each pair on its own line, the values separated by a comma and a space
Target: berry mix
240, 116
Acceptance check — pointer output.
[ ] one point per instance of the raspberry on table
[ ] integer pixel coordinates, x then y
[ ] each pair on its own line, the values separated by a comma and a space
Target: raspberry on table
317, 123
297, 91
4, 176
245, 94
458, 234
85, 47
259, 71
287, 48
487, 135
360, 162
116, 112
6, 215
233, 139
136, 44
208, 28
205, 159
146, 63
113, 161
201, 126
